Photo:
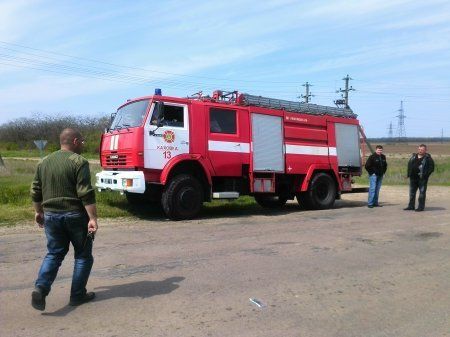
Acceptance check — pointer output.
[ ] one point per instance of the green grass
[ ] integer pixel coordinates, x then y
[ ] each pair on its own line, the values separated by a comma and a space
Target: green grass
15, 201
16, 207
15, 179
396, 172
21, 153
36, 154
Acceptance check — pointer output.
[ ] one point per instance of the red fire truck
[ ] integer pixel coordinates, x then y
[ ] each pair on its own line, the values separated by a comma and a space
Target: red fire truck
181, 152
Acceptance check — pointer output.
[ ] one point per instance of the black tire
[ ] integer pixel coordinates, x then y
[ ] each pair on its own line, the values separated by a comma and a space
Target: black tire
270, 201
321, 193
182, 197
301, 197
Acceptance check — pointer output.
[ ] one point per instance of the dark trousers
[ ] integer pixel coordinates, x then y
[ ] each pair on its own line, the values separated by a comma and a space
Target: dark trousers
414, 185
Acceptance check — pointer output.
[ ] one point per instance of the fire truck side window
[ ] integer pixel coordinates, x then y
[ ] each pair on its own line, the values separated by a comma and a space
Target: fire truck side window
170, 115
222, 121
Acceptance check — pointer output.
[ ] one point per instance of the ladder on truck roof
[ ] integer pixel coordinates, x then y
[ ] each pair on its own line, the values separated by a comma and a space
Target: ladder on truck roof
292, 106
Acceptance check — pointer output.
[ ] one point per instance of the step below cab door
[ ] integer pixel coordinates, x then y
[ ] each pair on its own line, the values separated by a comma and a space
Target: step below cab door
166, 133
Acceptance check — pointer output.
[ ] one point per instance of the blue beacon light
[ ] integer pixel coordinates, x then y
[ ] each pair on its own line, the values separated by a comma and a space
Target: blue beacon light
158, 91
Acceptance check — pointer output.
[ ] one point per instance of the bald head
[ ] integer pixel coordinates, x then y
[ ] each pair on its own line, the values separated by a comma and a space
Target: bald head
71, 140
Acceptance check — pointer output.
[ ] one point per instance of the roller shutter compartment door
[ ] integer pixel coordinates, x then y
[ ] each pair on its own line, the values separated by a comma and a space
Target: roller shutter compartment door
267, 142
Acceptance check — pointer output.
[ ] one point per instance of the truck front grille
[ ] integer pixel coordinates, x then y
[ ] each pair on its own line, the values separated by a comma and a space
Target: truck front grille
116, 160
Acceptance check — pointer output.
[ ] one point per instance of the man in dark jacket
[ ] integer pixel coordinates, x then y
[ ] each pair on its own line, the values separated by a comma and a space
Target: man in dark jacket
376, 166
420, 167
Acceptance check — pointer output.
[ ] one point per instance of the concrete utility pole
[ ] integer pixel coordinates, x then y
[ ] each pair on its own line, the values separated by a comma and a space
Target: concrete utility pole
401, 122
344, 102
307, 94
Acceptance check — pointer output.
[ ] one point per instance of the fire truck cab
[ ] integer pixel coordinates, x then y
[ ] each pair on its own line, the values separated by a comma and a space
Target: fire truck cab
181, 152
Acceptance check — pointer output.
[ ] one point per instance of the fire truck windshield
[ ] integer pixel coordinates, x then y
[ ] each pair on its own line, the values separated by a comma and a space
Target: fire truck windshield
130, 115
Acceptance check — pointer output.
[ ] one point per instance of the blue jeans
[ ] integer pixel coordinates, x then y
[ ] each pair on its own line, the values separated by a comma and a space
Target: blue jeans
61, 229
374, 189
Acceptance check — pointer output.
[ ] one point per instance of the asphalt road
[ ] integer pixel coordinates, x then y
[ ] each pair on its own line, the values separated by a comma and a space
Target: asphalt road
349, 271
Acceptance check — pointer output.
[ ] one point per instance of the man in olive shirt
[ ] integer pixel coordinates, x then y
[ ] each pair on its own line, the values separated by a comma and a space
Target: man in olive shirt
64, 201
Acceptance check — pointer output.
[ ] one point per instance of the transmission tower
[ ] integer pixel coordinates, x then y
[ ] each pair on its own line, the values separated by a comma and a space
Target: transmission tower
390, 132
307, 94
401, 122
344, 93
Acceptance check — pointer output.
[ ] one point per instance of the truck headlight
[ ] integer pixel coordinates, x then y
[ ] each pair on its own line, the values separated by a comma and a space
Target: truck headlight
127, 183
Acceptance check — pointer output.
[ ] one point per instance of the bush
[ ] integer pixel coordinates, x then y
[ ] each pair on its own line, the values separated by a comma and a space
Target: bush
20, 133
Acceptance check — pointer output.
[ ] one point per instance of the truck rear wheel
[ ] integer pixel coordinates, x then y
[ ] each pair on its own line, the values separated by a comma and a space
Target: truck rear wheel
321, 193
270, 201
182, 197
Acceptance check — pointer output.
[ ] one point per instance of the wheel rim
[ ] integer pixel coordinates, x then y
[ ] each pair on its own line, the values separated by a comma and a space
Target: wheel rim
322, 191
187, 199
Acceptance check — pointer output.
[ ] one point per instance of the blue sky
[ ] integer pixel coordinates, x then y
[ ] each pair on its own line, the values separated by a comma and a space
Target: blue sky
88, 57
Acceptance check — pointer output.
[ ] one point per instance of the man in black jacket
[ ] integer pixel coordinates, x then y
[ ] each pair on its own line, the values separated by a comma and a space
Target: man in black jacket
376, 166
420, 167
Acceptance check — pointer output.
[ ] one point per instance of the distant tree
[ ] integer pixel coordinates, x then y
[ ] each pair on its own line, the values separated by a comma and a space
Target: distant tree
20, 133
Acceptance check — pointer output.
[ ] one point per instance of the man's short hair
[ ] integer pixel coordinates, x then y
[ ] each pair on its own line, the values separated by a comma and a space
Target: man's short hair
423, 145
379, 147
68, 135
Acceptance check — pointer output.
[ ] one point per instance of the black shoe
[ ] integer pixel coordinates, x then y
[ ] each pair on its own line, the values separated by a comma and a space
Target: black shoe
84, 299
38, 299
377, 205
408, 209
370, 206
419, 210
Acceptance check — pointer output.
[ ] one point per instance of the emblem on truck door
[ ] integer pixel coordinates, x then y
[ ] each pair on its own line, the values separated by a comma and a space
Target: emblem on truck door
169, 136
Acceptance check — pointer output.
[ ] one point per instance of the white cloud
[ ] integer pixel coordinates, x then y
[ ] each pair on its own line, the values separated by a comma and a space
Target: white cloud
48, 89
430, 20
16, 18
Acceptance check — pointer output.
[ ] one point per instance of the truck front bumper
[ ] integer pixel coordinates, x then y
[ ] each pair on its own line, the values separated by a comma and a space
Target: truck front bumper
129, 181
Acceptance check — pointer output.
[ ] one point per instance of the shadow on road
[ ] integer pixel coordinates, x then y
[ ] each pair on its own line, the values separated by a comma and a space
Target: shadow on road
233, 210
435, 208
141, 289
349, 203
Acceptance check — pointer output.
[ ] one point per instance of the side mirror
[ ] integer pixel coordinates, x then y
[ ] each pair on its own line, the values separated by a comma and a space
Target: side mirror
113, 115
159, 114
111, 120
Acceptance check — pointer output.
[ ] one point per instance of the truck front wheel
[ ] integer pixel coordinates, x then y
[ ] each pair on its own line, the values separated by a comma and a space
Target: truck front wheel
182, 197
321, 193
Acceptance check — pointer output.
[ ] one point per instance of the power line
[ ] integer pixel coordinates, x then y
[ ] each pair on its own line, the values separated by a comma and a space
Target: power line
53, 62
402, 84
140, 69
